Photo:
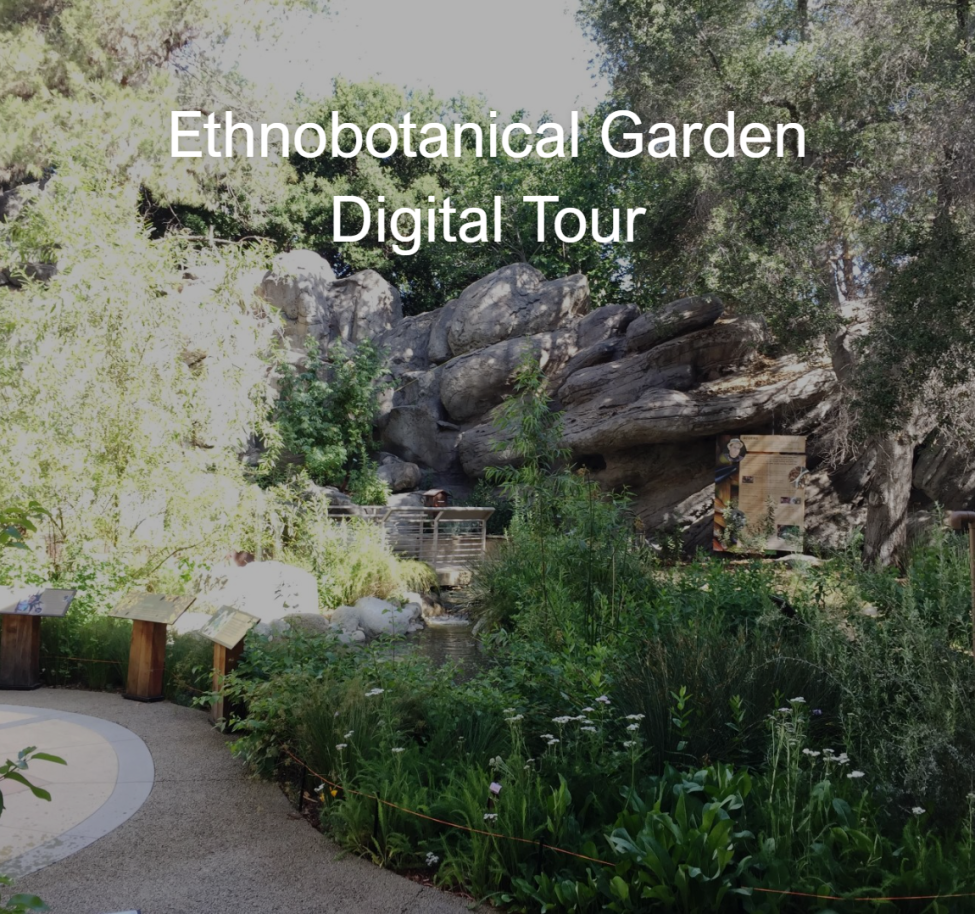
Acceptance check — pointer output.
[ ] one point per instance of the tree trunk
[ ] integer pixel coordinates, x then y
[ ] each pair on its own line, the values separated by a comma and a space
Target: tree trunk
888, 494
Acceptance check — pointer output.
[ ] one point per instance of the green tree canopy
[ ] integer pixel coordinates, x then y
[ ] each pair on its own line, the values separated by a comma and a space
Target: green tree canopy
877, 217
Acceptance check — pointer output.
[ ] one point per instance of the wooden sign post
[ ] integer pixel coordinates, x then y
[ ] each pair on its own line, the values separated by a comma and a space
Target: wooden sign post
226, 630
20, 644
150, 614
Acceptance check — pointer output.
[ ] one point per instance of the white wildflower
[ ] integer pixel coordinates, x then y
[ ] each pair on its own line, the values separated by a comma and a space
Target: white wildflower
812, 753
588, 729
341, 746
490, 816
785, 710
918, 810
553, 741
633, 727
855, 774
799, 700
398, 749
635, 716
548, 736
604, 700
629, 744
373, 692
588, 710
432, 859
349, 734
561, 721
515, 719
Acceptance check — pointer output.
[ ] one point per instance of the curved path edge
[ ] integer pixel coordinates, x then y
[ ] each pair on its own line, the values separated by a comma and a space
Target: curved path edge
132, 788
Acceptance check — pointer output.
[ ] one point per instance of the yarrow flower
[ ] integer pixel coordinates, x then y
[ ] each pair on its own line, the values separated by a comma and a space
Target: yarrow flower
561, 720
799, 700
515, 719
632, 727
918, 810
812, 753
588, 710
785, 710
548, 736
604, 700
635, 716
398, 749
347, 735
373, 692
855, 774
341, 746
629, 744
553, 741
490, 816
432, 859
588, 729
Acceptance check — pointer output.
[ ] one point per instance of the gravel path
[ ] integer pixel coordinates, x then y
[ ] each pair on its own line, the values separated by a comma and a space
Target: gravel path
209, 840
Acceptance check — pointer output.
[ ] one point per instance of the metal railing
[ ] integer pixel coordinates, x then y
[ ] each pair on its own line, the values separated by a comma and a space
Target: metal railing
441, 537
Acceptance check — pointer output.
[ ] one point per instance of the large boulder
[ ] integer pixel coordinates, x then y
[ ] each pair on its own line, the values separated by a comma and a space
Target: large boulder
677, 318
298, 284
399, 475
678, 364
268, 590
415, 426
514, 301
407, 343
438, 347
605, 323
362, 306
946, 476
474, 383
658, 416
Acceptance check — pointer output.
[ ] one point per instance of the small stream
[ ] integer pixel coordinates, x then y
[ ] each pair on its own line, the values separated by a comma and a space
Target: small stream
445, 643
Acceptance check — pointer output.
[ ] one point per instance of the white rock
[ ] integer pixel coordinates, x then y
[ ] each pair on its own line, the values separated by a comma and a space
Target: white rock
268, 590
377, 617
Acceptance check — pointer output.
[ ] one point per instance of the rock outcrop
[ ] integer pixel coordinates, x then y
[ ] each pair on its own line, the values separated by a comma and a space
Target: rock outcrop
315, 304
642, 395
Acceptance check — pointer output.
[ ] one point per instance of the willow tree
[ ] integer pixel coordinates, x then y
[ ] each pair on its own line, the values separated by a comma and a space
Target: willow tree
873, 226
125, 399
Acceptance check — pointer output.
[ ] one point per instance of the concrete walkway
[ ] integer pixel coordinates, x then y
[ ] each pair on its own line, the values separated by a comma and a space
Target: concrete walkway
206, 840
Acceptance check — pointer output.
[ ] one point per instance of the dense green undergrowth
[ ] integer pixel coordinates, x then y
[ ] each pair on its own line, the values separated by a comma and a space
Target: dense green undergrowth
696, 737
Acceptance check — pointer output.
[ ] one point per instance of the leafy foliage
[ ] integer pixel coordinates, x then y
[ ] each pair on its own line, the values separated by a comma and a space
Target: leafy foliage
325, 412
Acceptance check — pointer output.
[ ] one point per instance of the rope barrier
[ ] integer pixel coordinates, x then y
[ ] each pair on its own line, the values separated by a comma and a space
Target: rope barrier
420, 815
560, 850
85, 660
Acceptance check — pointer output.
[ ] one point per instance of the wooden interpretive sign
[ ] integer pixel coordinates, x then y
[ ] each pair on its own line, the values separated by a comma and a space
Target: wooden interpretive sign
20, 645
228, 626
760, 493
152, 607
226, 630
150, 614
